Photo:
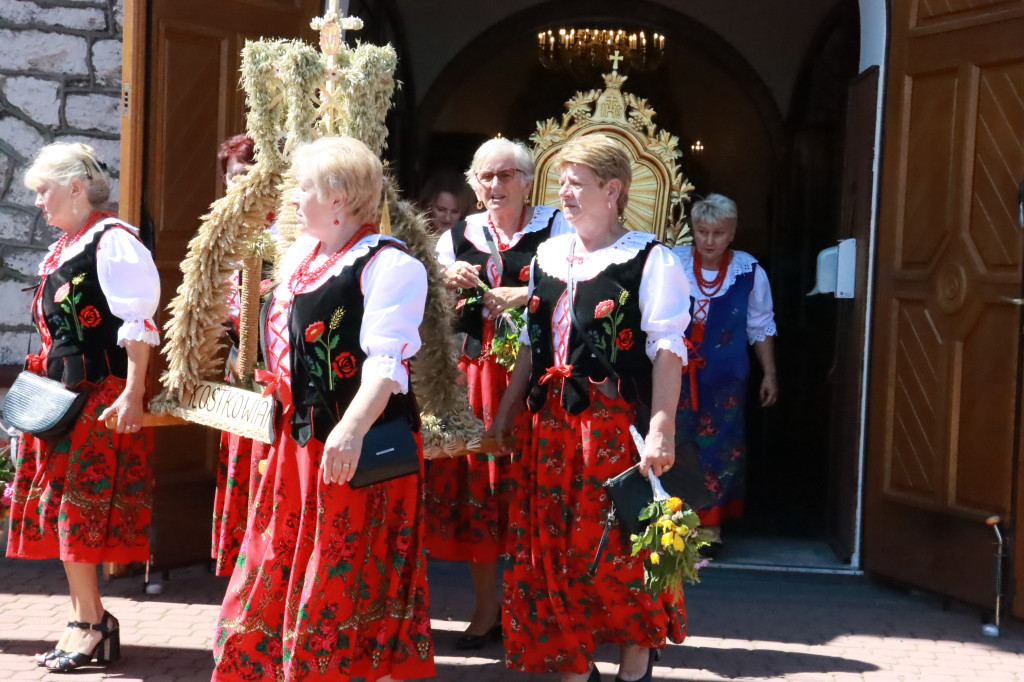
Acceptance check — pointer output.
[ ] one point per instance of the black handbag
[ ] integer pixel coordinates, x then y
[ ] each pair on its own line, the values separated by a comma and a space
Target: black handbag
42, 407
389, 451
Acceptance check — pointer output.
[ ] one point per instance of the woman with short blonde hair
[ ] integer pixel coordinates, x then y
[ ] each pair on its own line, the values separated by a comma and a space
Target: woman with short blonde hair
333, 583
94, 310
600, 290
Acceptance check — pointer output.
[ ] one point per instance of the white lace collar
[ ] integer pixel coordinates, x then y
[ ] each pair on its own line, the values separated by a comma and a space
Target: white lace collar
477, 223
303, 245
553, 255
742, 263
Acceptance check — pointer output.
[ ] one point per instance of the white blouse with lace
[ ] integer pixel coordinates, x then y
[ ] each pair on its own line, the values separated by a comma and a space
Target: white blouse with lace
127, 275
394, 286
760, 315
664, 291
476, 224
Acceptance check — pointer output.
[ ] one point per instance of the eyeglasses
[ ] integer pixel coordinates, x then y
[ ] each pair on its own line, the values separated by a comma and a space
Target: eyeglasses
504, 175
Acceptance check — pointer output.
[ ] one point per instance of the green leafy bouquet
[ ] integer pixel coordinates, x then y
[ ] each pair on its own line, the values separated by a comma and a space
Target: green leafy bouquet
673, 539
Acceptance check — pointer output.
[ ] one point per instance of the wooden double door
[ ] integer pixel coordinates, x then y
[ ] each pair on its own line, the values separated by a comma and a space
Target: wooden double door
944, 410
181, 71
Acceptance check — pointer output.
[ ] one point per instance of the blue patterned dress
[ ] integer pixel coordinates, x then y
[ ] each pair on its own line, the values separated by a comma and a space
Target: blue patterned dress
738, 315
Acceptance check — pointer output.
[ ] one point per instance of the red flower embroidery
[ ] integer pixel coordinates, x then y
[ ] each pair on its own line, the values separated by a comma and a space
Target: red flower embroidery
314, 331
62, 293
524, 274
604, 309
534, 302
89, 317
711, 482
625, 339
344, 365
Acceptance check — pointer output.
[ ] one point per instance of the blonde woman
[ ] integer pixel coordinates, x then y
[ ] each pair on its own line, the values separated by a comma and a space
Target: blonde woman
612, 281
333, 584
86, 498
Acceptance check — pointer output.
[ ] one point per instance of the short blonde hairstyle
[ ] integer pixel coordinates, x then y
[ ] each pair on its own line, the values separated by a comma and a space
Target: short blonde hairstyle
601, 154
500, 145
344, 168
713, 209
62, 162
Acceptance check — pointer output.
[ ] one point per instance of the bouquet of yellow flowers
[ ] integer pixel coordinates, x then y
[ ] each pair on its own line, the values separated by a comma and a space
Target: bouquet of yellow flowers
673, 539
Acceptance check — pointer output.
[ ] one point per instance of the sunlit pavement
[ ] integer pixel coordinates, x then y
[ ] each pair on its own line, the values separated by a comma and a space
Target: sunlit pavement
743, 626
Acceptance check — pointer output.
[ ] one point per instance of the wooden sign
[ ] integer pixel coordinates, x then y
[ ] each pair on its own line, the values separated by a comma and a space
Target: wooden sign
227, 408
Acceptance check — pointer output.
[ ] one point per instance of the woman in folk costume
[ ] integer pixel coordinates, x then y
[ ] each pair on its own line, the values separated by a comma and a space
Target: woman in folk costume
467, 497
607, 283
732, 307
331, 580
87, 497
238, 457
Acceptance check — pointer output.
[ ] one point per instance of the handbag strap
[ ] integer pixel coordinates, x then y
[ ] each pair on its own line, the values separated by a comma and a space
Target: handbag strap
495, 253
606, 365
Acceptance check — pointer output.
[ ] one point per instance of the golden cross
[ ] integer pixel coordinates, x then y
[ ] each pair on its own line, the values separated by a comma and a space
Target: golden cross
615, 59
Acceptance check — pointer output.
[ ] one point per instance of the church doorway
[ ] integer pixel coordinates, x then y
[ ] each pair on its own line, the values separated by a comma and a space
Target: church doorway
772, 136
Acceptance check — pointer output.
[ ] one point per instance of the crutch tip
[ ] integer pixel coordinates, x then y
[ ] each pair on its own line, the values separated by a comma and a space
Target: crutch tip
992, 521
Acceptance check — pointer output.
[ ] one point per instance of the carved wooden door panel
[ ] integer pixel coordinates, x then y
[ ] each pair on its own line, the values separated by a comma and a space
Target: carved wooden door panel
944, 367
193, 102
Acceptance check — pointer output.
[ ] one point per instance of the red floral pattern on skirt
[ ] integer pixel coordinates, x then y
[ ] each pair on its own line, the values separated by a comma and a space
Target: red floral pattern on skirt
87, 498
331, 582
467, 497
237, 479
554, 613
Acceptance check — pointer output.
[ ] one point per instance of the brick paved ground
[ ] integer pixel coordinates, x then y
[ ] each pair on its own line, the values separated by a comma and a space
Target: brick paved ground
743, 626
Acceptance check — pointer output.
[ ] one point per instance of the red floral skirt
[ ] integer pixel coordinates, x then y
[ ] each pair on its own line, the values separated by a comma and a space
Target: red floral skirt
467, 497
331, 582
88, 497
237, 479
554, 613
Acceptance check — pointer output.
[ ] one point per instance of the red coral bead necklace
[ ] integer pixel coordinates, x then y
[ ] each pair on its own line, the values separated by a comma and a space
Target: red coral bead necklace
710, 287
303, 276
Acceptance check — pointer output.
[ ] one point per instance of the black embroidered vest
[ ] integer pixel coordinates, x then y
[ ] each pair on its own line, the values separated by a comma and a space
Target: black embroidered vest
326, 359
608, 309
515, 273
81, 326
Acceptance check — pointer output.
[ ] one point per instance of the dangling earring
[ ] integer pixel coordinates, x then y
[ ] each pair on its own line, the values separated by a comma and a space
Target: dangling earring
479, 205
74, 205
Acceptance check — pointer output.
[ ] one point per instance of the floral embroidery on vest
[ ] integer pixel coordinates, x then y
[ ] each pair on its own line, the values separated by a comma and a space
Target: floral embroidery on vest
616, 339
343, 364
68, 299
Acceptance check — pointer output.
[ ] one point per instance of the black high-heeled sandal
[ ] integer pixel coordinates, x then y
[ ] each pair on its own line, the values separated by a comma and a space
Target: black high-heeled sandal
595, 675
108, 649
652, 656
42, 658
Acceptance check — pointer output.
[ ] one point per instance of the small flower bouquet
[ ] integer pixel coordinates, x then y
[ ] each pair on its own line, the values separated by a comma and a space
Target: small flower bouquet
673, 538
6, 476
507, 326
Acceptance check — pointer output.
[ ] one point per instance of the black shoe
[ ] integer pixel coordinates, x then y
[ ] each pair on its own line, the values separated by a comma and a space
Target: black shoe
595, 676
468, 642
106, 650
41, 659
652, 655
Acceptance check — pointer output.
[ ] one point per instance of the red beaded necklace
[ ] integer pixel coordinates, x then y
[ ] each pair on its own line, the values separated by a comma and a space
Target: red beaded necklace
502, 243
302, 276
710, 287
53, 260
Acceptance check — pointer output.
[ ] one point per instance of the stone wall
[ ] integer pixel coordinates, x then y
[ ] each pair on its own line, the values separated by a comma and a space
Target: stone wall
60, 80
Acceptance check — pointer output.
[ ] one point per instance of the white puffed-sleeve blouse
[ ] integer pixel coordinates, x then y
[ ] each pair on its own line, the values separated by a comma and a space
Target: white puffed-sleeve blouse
127, 276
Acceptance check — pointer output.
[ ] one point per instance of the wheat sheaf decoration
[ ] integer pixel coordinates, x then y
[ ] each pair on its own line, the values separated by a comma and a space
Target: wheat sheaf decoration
294, 94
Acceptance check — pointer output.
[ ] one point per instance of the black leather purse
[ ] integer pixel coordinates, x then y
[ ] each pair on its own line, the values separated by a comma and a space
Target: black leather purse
389, 451
42, 407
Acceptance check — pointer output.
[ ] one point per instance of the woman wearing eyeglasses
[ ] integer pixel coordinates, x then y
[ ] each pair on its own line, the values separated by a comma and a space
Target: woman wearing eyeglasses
467, 505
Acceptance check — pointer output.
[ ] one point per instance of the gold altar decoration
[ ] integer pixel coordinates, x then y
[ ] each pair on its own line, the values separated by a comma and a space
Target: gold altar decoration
295, 94
658, 190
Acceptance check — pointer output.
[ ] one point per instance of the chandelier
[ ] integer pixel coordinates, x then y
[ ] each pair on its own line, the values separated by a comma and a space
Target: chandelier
587, 50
